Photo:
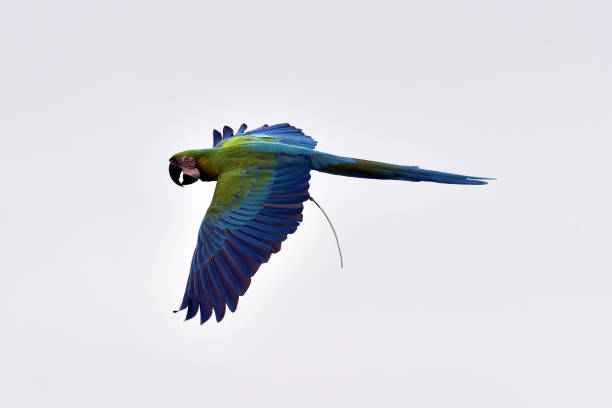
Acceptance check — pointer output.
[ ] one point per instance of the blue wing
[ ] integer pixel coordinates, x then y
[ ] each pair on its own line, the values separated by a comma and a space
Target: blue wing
252, 212
283, 132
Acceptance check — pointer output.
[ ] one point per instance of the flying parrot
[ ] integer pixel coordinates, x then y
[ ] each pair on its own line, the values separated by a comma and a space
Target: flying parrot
262, 182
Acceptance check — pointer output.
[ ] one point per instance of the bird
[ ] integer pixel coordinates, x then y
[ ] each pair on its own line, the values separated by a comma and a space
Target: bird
262, 180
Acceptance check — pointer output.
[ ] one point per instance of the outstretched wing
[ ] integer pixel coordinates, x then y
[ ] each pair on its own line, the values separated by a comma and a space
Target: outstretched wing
283, 132
252, 212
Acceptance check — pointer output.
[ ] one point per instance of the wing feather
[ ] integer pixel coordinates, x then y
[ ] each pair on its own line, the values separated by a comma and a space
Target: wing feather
282, 132
251, 214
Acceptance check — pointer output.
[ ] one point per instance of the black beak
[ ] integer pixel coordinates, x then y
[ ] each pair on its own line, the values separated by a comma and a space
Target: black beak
175, 175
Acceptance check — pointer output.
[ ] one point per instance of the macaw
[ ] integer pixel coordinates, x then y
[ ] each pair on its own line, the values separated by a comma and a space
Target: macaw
262, 181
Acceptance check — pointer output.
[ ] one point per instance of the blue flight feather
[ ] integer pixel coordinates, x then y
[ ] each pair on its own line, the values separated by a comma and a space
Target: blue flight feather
216, 137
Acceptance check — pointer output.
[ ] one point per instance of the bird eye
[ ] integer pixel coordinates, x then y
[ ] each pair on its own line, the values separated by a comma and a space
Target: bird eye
187, 161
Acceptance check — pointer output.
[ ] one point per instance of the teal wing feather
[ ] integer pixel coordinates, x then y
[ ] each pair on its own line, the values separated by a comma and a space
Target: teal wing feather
252, 212
283, 132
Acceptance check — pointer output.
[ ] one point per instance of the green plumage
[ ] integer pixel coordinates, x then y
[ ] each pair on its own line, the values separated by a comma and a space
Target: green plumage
262, 181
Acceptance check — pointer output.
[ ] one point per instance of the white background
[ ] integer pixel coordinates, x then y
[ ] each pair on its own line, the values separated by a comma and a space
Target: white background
452, 296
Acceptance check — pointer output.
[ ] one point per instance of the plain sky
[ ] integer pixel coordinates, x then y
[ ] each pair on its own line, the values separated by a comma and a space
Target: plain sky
451, 296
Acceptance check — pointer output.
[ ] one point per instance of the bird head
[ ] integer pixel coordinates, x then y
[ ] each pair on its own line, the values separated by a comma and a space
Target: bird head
186, 164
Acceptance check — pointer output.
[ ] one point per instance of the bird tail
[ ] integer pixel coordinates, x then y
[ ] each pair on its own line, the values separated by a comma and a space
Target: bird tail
349, 167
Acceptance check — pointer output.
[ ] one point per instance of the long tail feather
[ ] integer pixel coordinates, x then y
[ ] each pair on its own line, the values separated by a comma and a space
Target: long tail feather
346, 166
